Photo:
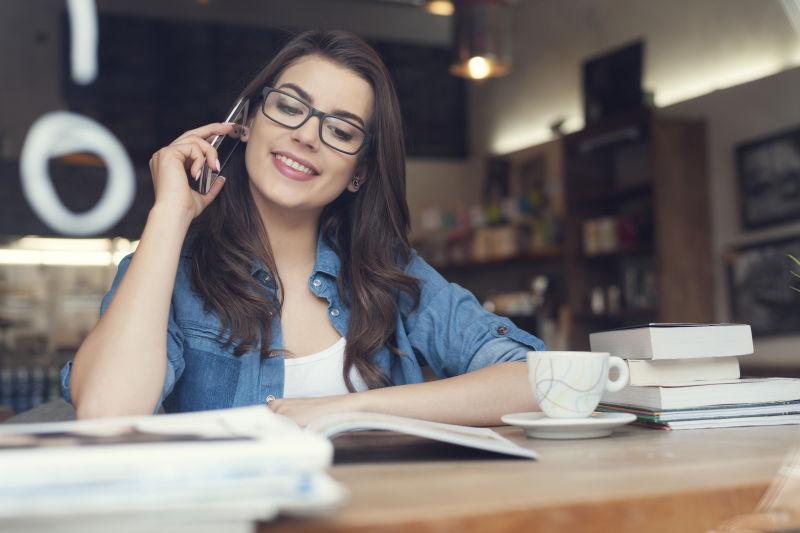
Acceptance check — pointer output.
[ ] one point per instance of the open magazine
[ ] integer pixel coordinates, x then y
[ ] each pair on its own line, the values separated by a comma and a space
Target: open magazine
247, 433
479, 438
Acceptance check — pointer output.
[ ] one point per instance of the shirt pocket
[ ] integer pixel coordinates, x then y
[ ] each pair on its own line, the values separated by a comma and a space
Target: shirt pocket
211, 373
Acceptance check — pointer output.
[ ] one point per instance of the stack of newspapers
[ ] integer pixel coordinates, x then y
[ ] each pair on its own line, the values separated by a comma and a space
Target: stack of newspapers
687, 376
206, 471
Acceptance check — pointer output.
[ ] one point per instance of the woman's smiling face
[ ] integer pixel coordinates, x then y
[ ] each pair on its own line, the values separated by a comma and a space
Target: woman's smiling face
272, 148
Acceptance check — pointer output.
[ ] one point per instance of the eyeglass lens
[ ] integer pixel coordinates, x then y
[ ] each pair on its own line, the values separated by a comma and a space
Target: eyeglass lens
291, 112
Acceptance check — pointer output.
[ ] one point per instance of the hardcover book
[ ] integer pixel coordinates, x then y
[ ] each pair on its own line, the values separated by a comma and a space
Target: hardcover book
674, 341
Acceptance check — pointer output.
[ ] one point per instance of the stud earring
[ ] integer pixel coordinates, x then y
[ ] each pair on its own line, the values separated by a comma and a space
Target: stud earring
356, 183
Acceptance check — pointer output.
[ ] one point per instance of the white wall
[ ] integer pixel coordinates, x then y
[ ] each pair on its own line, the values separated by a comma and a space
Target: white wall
692, 47
734, 115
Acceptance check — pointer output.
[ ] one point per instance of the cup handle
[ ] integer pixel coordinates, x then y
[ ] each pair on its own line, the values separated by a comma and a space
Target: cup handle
622, 379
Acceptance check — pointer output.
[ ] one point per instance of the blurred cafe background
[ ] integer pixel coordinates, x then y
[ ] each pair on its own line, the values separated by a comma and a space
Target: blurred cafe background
578, 165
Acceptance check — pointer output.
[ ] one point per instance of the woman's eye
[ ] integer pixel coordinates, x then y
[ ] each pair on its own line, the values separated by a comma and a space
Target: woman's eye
288, 109
341, 134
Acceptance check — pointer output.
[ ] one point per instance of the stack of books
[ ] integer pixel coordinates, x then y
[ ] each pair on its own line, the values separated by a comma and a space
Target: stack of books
687, 376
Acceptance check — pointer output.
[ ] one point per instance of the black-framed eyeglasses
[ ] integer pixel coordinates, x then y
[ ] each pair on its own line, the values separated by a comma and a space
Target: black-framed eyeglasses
289, 111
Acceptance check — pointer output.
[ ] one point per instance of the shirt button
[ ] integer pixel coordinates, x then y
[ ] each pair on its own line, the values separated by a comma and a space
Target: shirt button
316, 283
502, 330
334, 312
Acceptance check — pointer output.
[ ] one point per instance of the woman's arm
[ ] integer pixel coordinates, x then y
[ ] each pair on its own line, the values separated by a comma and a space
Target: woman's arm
477, 398
120, 366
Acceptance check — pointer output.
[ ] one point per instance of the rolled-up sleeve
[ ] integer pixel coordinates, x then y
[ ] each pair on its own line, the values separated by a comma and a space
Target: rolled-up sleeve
175, 362
454, 334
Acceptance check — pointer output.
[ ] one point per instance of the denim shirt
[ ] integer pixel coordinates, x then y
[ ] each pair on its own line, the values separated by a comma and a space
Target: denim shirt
449, 331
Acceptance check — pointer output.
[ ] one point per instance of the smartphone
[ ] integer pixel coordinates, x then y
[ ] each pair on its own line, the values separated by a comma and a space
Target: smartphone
225, 146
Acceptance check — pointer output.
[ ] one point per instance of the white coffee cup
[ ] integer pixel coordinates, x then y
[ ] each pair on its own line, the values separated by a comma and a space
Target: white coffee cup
570, 384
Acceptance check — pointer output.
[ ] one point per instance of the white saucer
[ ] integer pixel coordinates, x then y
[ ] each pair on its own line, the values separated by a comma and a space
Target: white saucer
539, 426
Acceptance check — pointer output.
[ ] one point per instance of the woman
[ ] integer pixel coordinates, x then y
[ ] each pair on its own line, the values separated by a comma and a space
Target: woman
297, 286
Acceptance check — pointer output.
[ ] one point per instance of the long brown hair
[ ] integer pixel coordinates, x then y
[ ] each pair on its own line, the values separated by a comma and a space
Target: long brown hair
368, 229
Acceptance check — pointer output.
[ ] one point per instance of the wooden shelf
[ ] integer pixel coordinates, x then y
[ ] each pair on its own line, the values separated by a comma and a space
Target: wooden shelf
671, 152
617, 194
622, 252
548, 254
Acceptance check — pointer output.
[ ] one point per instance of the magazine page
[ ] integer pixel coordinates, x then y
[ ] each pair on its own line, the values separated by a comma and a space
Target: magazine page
478, 438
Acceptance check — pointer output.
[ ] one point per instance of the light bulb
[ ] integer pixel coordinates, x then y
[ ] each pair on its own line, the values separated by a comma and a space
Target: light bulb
478, 68
444, 8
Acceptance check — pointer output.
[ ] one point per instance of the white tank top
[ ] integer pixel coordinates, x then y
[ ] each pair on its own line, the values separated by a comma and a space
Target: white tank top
319, 374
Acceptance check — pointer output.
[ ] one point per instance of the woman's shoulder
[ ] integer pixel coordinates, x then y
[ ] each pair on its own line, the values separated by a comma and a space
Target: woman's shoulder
183, 275
430, 282
184, 262
428, 276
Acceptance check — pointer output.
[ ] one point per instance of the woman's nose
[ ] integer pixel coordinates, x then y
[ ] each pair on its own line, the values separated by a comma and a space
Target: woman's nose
308, 133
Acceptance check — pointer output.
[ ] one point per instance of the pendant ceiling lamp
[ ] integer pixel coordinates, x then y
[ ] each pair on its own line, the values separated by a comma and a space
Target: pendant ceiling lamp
482, 36
443, 8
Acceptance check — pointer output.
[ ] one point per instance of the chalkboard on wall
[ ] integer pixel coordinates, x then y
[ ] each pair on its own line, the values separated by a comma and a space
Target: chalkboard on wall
769, 179
760, 282
158, 78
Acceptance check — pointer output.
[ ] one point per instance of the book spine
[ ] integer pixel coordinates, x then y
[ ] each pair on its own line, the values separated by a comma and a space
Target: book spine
666, 372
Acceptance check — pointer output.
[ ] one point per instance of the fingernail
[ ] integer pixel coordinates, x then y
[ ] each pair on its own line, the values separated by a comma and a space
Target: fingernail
216, 165
197, 174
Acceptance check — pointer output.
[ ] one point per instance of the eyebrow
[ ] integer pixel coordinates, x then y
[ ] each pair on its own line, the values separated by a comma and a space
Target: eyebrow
308, 98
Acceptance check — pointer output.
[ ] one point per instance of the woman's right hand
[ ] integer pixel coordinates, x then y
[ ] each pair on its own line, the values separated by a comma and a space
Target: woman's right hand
170, 168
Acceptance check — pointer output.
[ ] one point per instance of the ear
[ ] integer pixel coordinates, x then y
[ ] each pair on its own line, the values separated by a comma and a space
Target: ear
244, 130
360, 174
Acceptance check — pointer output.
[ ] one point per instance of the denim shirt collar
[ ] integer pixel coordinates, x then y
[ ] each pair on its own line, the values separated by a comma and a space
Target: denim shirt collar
327, 261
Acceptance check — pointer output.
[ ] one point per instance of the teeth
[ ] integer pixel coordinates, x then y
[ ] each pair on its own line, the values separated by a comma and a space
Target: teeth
294, 164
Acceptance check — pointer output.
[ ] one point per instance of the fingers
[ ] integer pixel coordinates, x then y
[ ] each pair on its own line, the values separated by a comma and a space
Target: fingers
200, 137
210, 153
190, 154
213, 191
276, 405
209, 130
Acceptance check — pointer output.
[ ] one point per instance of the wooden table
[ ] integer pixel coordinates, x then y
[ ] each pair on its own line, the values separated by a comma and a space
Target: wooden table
637, 480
